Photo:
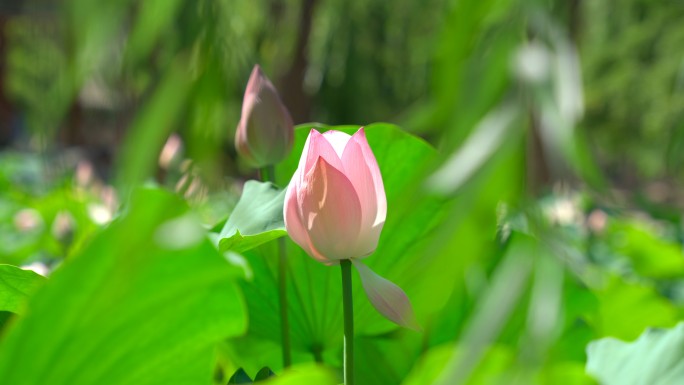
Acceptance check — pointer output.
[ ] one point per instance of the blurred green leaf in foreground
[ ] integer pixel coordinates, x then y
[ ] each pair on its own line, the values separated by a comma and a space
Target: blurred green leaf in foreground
144, 303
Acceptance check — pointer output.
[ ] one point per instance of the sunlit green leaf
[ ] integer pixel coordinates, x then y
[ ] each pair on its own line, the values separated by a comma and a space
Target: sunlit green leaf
256, 219
387, 359
153, 18
566, 373
625, 309
145, 303
491, 370
655, 358
650, 254
15, 287
499, 366
305, 374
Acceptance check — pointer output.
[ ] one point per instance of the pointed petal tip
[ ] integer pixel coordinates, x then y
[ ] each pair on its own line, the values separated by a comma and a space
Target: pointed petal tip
313, 137
414, 325
360, 134
256, 71
320, 162
360, 138
409, 320
258, 82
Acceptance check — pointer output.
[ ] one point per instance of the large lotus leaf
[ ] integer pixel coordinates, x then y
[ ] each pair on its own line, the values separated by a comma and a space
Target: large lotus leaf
625, 309
649, 253
492, 369
305, 374
499, 366
251, 354
145, 302
655, 358
387, 359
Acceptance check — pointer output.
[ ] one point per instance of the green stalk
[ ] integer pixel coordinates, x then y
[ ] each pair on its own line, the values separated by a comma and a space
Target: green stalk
268, 174
348, 307
282, 298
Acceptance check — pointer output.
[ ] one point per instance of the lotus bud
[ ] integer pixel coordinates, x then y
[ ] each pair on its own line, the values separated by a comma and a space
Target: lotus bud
335, 205
265, 133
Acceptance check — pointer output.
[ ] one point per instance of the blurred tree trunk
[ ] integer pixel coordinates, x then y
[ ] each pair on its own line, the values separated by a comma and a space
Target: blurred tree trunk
292, 82
575, 20
7, 112
538, 173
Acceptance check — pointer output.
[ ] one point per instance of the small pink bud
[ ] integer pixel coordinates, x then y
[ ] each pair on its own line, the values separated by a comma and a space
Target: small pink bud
335, 205
265, 133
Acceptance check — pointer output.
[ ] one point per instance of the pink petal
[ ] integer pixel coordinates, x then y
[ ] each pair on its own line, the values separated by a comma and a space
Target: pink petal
387, 298
360, 138
293, 222
251, 97
338, 140
358, 172
256, 79
241, 141
305, 152
330, 210
317, 146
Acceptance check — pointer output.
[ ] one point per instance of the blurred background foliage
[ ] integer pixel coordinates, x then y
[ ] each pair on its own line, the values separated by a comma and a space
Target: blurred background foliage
80, 75
81, 72
557, 124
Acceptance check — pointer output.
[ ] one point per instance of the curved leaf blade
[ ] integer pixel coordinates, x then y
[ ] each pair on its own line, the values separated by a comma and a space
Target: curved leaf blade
15, 286
256, 219
654, 358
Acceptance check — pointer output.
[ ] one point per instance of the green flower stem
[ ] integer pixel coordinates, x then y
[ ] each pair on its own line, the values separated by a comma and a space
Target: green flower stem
348, 307
282, 297
268, 173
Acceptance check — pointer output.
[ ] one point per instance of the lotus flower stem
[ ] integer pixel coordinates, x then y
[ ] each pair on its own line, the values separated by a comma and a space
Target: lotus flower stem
282, 299
348, 307
268, 173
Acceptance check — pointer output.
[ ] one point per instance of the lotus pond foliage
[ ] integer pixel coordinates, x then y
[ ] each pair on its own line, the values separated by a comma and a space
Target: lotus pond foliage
399, 193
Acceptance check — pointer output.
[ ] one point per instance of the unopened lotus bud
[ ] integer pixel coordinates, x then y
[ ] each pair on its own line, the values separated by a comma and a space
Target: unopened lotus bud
335, 205
265, 133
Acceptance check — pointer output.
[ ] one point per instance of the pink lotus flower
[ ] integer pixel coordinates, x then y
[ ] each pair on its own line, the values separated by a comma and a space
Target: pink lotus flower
335, 208
265, 133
